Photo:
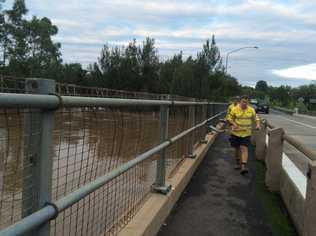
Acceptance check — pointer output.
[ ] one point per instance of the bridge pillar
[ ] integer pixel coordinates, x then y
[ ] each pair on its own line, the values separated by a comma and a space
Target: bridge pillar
260, 141
274, 159
309, 226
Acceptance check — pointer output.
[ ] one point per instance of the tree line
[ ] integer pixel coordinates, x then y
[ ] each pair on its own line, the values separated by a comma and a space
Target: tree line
285, 96
27, 50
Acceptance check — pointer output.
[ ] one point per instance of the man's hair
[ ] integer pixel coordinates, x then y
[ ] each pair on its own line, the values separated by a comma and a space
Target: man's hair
245, 97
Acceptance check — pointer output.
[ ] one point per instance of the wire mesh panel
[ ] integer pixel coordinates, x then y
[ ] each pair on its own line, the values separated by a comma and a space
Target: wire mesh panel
19, 141
179, 120
107, 210
90, 142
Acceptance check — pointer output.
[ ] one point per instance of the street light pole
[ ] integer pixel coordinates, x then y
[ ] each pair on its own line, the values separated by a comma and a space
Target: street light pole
236, 50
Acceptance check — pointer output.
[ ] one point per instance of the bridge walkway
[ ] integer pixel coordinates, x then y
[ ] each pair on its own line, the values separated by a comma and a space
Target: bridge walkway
219, 201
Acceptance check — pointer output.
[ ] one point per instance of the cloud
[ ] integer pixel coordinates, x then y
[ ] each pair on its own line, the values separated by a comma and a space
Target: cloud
283, 29
306, 72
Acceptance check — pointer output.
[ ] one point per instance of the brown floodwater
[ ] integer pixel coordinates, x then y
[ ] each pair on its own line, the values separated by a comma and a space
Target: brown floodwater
87, 143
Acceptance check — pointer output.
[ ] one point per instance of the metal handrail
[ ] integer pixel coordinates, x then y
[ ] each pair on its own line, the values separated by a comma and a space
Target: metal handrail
9, 100
51, 210
297, 144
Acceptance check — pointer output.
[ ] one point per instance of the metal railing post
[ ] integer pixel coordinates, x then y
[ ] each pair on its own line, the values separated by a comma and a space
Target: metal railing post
204, 128
38, 166
309, 226
160, 183
191, 143
274, 159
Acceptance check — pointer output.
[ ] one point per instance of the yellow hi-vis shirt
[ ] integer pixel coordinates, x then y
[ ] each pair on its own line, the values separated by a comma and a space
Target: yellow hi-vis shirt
244, 119
229, 110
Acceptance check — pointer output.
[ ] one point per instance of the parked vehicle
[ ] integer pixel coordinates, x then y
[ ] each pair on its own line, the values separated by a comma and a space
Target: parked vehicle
254, 104
263, 107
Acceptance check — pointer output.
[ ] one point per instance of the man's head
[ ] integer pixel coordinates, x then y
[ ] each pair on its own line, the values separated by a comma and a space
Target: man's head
244, 100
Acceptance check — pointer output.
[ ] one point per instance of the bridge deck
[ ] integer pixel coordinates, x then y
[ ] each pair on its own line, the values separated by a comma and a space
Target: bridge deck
219, 201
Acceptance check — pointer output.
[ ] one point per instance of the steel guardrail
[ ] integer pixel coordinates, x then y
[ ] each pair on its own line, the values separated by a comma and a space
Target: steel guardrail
51, 210
9, 100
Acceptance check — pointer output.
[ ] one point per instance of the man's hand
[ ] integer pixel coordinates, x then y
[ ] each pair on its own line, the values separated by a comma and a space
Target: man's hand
235, 127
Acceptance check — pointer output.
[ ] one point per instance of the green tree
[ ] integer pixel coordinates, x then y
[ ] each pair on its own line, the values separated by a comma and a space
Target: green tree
3, 36
149, 66
183, 82
43, 54
73, 74
109, 65
28, 44
207, 67
17, 45
262, 86
131, 67
281, 95
167, 72
138, 68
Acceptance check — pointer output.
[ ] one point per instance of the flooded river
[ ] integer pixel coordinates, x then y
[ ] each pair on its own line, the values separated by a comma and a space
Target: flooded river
87, 143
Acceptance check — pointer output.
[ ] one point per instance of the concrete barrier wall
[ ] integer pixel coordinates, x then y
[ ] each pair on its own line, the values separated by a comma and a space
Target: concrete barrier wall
297, 191
156, 209
293, 200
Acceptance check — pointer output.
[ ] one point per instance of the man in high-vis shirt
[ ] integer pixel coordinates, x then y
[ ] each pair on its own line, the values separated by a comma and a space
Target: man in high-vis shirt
242, 118
235, 102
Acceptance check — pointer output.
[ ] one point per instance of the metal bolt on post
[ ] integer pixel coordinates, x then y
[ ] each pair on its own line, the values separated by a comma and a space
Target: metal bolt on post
160, 185
191, 143
38, 162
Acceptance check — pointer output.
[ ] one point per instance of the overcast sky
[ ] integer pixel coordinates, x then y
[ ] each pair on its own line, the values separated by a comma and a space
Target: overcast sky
284, 31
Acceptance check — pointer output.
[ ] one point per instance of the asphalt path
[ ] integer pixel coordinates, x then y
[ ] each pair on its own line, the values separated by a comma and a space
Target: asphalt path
219, 201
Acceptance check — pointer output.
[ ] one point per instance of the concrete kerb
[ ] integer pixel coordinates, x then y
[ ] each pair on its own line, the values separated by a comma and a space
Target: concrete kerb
156, 209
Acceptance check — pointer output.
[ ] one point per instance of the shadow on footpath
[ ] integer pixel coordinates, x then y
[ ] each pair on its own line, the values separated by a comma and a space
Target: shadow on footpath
219, 201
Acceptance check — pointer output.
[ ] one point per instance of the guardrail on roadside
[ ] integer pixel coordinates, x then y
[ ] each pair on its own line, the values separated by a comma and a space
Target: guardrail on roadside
291, 112
285, 110
308, 113
299, 200
66, 186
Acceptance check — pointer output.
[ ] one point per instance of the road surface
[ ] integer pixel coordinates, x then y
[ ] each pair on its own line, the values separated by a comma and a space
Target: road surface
303, 128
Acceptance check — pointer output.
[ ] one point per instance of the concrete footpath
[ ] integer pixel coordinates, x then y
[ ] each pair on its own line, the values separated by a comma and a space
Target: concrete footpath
219, 201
